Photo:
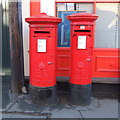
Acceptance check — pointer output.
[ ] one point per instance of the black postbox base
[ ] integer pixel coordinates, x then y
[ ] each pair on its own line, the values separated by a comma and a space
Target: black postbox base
43, 95
80, 94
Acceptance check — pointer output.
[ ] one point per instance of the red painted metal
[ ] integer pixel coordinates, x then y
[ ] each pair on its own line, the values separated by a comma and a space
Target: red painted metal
100, 57
81, 26
43, 64
34, 7
87, 1
63, 63
94, 7
105, 63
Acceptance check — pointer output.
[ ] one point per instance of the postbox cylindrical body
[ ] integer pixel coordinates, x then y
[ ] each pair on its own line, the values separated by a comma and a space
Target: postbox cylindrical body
43, 50
82, 42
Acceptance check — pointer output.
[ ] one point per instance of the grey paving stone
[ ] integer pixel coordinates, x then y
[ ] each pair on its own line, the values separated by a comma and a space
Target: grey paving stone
0, 116
5, 86
93, 105
108, 109
65, 113
119, 110
24, 105
20, 116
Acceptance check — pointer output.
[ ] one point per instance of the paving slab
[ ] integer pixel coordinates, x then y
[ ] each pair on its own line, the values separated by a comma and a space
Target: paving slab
65, 113
93, 105
108, 108
99, 108
5, 86
23, 108
12, 115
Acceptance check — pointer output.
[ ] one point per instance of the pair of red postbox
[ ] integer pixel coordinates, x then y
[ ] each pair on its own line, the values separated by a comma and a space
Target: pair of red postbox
43, 54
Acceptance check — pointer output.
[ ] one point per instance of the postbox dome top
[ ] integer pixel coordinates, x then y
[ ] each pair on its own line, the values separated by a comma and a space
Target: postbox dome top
82, 17
43, 17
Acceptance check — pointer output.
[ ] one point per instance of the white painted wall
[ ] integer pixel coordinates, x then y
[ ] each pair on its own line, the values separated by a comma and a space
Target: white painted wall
48, 6
25, 13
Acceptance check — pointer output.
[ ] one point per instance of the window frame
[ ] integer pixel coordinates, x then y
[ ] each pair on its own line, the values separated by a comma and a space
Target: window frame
90, 1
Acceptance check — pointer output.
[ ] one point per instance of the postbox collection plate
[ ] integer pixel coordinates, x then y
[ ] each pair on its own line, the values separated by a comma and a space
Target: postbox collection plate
81, 42
41, 45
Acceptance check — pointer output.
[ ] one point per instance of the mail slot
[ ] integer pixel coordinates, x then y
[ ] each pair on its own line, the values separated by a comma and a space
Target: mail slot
43, 48
82, 42
81, 30
43, 32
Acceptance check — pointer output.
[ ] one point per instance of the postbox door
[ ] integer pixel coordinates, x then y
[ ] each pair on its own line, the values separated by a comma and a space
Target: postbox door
81, 59
43, 60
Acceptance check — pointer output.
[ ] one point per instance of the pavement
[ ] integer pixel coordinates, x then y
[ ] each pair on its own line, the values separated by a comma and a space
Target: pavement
104, 105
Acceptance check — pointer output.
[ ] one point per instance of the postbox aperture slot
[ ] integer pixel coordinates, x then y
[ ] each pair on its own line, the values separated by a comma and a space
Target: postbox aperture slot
82, 30
46, 32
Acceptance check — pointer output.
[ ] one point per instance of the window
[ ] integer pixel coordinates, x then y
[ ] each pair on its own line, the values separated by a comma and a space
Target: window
107, 25
64, 9
87, 7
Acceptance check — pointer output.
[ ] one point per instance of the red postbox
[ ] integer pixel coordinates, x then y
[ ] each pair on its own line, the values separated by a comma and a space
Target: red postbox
43, 48
82, 43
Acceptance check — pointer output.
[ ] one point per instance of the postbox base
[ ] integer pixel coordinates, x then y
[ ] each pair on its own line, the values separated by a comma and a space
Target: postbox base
80, 94
43, 95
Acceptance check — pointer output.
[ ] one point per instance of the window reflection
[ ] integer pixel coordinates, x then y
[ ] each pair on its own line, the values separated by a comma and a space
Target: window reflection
107, 25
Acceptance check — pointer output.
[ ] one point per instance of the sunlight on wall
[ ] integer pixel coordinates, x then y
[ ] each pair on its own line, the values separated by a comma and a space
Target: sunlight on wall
48, 6
25, 13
